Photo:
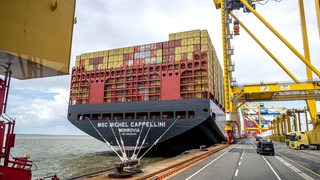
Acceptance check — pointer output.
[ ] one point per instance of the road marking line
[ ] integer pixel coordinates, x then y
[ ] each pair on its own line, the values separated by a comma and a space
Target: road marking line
299, 165
236, 174
207, 165
239, 163
271, 168
305, 176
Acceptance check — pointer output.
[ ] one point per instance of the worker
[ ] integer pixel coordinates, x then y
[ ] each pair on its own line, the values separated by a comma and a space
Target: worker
236, 28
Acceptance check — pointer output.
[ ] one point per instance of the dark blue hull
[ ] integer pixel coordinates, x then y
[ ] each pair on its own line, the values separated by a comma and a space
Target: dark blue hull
177, 125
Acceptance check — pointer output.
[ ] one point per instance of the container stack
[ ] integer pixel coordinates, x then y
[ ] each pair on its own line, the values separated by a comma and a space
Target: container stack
186, 66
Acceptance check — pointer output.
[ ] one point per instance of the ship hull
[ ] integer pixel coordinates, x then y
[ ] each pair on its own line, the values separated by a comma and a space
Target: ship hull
169, 126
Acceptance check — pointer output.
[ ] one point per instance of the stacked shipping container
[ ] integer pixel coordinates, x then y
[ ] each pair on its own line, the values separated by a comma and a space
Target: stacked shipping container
186, 66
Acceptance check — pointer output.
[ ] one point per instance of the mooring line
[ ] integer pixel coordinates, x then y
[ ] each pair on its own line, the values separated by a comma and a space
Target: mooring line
160, 137
105, 140
114, 134
138, 140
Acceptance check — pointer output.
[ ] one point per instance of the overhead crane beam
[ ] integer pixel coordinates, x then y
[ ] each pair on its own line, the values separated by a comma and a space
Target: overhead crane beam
276, 92
276, 87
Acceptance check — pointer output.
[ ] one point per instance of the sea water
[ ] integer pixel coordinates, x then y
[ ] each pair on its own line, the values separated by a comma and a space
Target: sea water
66, 156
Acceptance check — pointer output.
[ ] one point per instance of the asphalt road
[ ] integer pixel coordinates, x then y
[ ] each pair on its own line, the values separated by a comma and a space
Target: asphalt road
241, 162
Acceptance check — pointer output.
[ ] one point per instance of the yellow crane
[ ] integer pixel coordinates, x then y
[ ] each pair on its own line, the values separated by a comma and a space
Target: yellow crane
235, 95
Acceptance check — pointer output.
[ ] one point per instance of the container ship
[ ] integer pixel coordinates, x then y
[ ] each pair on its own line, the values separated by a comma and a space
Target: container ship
165, 95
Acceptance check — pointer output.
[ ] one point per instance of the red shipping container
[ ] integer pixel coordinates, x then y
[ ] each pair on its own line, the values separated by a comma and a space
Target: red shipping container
177, 43
171, 51
126, 57
159, 45
171, 58
137, 49
130, 56
171, 44
95, 67
197, 47
141, 61
165, 52
165, 44
125, 63
184, 56
165, 58
153, 53
82, 62
136, 62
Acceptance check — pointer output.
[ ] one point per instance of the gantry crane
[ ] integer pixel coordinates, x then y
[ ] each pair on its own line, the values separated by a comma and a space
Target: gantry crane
257, 117
236, 95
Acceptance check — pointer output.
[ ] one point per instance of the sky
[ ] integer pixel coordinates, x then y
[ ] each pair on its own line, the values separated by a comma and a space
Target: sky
39, 106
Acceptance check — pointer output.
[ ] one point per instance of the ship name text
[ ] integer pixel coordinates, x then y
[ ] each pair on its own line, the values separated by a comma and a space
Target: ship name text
132, 124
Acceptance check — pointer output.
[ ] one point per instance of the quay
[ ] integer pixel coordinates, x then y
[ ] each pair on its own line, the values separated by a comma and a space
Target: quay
236, 161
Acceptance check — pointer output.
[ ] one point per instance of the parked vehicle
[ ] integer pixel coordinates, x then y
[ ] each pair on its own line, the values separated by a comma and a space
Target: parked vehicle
265, 147
303, 140
287, 140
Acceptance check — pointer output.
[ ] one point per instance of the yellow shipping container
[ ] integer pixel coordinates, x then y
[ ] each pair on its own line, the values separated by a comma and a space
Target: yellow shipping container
190, 55
178, 36
197, 87
184, 42
177, 57
159, 52
77, 63
204, 40
126, 50
171, 37
204, 33
86, 68
87, 56
190, 41
100, 66
111, 59
198, 95
121, 51
190, 34
184, 35
190, 88
204, 47
184, 49
196, 40
106, 53
111, 52
101, 54
197, 33
91, 55
109, 65
190, 48
130, 49
86, 62
116, 58
105, 60
177, 50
